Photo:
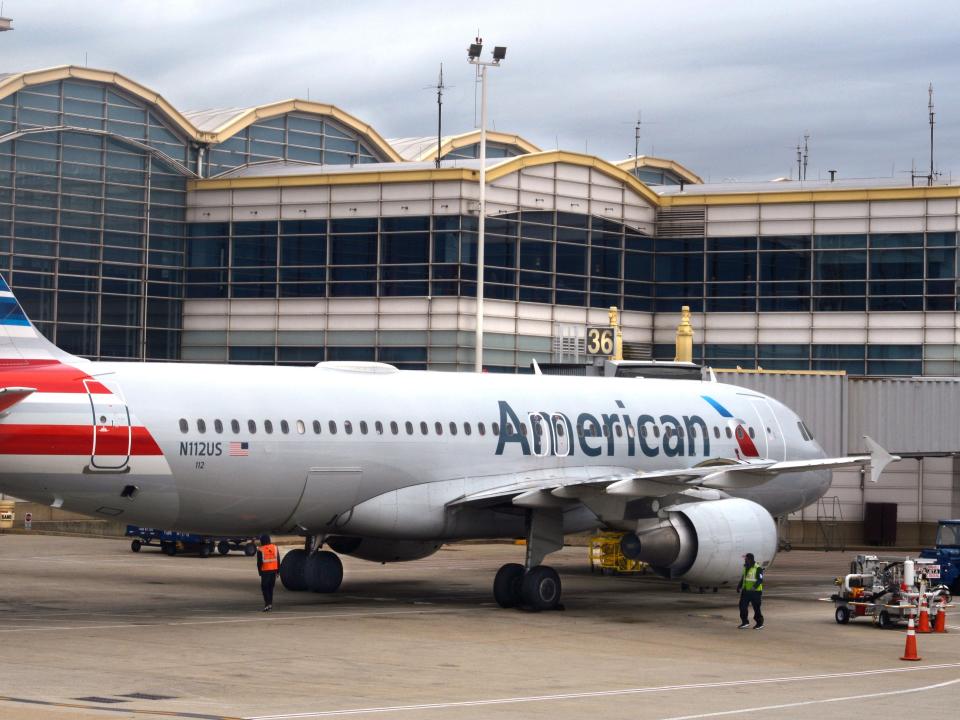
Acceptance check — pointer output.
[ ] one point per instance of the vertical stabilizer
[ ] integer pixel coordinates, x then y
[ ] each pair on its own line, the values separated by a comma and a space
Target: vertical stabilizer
20, 341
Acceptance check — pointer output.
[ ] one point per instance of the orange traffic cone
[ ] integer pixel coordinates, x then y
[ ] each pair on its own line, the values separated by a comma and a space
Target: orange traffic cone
910, 650
924, 625
940, 623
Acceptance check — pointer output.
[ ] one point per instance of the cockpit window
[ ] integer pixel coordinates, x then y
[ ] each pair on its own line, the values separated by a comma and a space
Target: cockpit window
803, 431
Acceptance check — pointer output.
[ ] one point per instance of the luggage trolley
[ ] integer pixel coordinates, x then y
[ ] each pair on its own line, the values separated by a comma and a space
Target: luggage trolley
172, 542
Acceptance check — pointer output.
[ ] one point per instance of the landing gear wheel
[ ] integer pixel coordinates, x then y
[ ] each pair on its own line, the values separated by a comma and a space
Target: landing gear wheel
506, 585
293, 570
884, 621
540, 588
249, 549
842, 615
323, 572
223, 547
136, 545
206, 550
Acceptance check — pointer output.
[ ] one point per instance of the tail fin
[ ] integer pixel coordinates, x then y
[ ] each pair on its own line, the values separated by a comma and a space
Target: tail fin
20, 341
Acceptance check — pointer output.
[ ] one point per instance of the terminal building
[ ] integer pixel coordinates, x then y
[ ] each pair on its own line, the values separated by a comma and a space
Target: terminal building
294, 232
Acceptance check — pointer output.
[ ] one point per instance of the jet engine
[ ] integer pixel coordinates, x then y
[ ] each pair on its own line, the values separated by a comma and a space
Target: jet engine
382, 550
703, 543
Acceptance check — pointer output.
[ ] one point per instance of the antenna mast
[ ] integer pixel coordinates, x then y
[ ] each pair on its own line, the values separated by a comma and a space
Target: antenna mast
439, 113
930, 109
799, 163
806, 152
636, 137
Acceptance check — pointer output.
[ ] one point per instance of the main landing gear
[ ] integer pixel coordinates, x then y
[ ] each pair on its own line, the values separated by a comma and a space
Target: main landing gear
533, 586
311, 569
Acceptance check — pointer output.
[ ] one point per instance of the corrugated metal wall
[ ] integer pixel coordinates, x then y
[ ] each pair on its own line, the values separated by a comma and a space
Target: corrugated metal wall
905, 415
820, 399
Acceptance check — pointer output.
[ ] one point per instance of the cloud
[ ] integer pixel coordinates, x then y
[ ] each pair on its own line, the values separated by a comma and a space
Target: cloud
725, 88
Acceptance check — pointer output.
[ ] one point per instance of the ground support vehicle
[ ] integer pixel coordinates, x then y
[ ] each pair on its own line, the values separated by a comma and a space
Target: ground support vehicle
886, 589
946, 554
606, 556
172, 542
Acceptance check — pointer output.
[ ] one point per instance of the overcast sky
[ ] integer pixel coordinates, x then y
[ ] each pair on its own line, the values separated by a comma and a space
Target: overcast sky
726, 88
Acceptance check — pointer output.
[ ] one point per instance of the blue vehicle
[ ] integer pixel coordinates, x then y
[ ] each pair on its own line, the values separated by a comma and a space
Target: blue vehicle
172, 542
947, 554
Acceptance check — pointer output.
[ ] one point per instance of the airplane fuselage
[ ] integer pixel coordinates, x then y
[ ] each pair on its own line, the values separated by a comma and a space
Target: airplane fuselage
227, 449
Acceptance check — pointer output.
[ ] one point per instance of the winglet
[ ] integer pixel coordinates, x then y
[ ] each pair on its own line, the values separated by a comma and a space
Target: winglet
879, 458
536, 367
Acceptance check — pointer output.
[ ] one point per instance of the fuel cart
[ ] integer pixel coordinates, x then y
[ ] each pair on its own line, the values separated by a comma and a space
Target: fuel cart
884, 589
172, 542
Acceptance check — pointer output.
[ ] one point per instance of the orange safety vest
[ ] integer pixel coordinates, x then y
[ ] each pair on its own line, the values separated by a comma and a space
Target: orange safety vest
270, 561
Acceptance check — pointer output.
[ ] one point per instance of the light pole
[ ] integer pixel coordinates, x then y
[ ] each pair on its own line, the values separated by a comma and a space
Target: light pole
473, 55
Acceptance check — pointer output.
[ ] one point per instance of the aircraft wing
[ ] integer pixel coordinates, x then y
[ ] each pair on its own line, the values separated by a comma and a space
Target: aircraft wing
559, 491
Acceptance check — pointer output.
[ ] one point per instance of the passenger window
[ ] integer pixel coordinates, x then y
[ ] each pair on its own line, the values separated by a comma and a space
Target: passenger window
235, 426
656, 431
333, 427
668, 432
716, 432
394, 428
679, 432
752, 434
252, 427
453, 428
466, 428
378, 426
409, 427
438, 426
643, 430
201, 426
481, 428
284, 427
363, 427
184, 425
729, 433
217, 426
560, 431
301, 428
605, 430
495, 428
316, 427
509, 430
268, 427
523, 429
348, 427
423, 428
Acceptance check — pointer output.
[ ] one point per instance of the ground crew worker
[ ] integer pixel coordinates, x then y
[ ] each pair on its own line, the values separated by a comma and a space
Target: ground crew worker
750, 588
268, 564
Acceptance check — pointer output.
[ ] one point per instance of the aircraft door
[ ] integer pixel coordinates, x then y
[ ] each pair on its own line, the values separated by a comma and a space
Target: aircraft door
562, 430
112, 434
541, 436
770, 440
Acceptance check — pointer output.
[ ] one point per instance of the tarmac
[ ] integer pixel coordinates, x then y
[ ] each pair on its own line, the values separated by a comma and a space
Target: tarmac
89, 629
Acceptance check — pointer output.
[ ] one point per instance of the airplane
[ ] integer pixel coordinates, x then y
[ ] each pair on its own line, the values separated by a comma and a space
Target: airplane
388, 465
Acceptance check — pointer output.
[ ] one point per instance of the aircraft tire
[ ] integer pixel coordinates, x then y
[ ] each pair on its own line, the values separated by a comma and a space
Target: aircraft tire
323, 572
540, 588
136, 545
293, 570
506, 585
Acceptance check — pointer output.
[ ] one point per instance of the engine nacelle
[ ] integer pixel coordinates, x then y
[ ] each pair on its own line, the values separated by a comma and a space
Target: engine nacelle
382, 550
703, 543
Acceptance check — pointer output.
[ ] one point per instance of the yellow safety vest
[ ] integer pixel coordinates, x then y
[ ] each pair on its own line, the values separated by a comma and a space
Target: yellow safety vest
750, 578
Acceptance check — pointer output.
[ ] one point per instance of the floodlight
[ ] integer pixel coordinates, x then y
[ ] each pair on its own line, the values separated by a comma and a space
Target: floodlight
473, 52
499, 53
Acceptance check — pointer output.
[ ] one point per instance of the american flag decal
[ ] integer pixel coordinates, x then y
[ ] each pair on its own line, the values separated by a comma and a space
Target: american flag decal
239, 449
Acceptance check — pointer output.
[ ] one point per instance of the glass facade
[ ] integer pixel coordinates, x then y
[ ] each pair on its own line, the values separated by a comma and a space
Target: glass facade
534, 256
92, 218
494, 150
296, 137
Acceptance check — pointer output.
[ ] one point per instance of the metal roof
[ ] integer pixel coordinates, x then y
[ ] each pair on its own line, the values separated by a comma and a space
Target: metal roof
210, 120
779, 186
287, 168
